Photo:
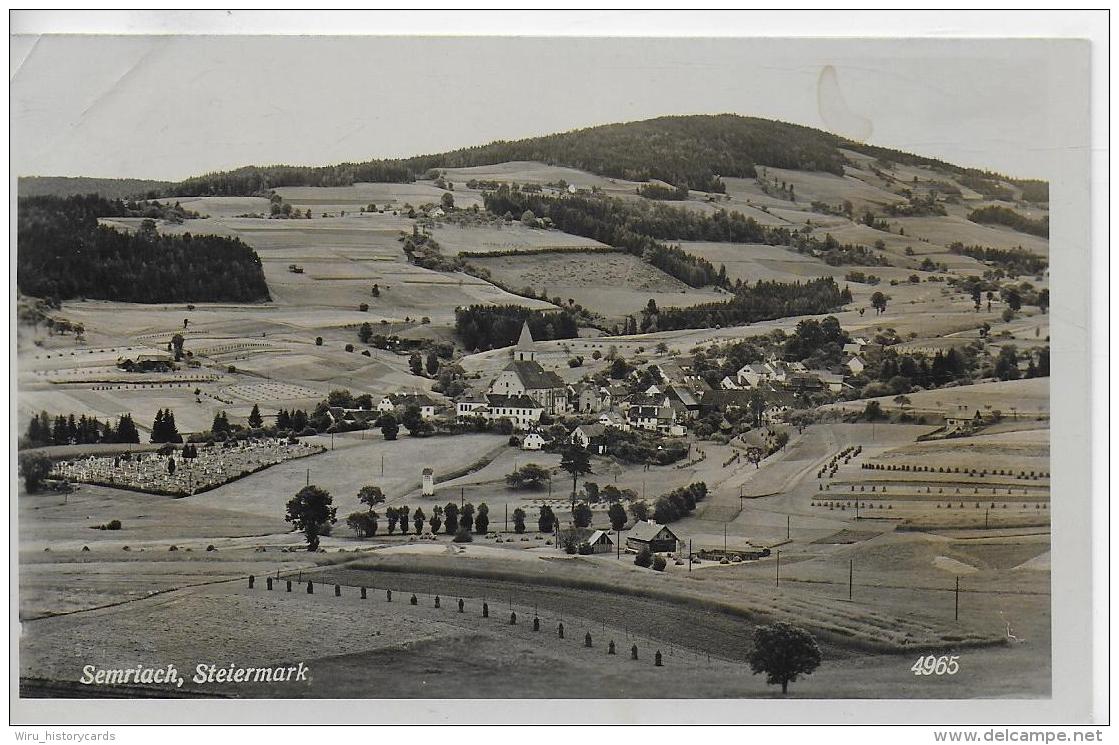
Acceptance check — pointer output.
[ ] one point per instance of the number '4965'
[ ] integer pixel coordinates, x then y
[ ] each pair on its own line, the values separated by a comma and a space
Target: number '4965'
933, 665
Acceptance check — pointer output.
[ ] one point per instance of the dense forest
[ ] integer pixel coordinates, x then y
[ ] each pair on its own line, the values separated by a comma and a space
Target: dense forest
1013, 261
1005, 216
110, 188
632, 226
492, 326
62, 252
762, 301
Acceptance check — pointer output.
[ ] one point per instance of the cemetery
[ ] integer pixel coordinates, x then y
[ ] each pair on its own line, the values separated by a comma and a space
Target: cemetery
174, 475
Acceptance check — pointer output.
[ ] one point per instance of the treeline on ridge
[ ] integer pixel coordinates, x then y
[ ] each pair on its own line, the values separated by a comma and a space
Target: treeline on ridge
62, 252
686, 151
634, 227
997, 215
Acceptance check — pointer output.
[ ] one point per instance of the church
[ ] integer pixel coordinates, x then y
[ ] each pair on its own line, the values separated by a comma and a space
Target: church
524, 376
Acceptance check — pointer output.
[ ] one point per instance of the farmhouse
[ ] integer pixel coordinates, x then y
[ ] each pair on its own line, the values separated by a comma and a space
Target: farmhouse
533, 441
590, 437
765, 372
524, 376
425, 403
587, 398
650, 534
654, 414
855, 364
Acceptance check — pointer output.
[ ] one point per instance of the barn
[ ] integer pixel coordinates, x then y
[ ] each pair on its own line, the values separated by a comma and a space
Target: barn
600, 542
658, 538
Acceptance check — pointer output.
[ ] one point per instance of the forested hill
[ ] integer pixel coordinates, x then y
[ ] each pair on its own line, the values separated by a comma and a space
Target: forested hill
110, 188
62, 252
687, 151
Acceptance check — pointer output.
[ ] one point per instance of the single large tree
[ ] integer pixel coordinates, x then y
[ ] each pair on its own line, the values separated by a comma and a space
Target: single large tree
519, 520
617, 515
577, 462
389, 427
450, 518
878, 300
547, 521
311, 511
783, 652
370, 495
581, 515
256, 421
34, 467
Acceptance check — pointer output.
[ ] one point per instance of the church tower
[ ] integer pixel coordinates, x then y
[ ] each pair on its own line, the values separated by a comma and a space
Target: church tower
525, 351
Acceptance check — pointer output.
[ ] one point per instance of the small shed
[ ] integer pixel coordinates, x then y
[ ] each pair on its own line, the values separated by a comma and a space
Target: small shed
428, 482
600, 542
656, 537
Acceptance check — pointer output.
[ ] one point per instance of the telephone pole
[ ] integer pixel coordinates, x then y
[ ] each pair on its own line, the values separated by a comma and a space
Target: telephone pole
778, 568
850, 578
957, 597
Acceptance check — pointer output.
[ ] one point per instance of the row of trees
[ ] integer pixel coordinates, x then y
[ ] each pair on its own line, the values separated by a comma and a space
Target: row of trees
615, 222
998, 215
44, 430
1013, 261
64, 253
763, 301
164, 429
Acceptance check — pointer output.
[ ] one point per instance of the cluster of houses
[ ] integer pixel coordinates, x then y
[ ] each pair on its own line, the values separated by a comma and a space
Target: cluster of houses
794, 376
524, 392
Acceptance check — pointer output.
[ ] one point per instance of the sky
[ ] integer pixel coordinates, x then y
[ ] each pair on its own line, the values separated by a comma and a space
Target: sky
170, 107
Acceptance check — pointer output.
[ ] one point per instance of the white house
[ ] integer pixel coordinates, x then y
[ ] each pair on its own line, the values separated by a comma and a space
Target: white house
855, 364
522, 411
762, 372
729, 384
533, 441
589, 437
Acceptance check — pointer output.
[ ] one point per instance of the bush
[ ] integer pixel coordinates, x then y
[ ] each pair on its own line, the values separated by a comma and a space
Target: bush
585, 549
659, 563
463, 536
644, 557
111, 525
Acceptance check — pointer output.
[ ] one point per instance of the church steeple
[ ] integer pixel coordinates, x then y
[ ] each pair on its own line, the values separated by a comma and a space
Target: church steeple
525, 351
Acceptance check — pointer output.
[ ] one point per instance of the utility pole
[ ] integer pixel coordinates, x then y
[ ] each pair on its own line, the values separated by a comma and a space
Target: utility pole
788, 528
461, 496
506, 517
986, 520
957, 597
382, 464
308, 477
619, 542
778, 568
850, 578
689, 554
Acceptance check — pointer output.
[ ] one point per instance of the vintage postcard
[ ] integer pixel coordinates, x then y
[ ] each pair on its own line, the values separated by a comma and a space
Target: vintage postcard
355, 367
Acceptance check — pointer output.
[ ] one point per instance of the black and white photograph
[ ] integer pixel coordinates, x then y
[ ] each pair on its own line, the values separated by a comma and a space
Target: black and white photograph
613, 368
